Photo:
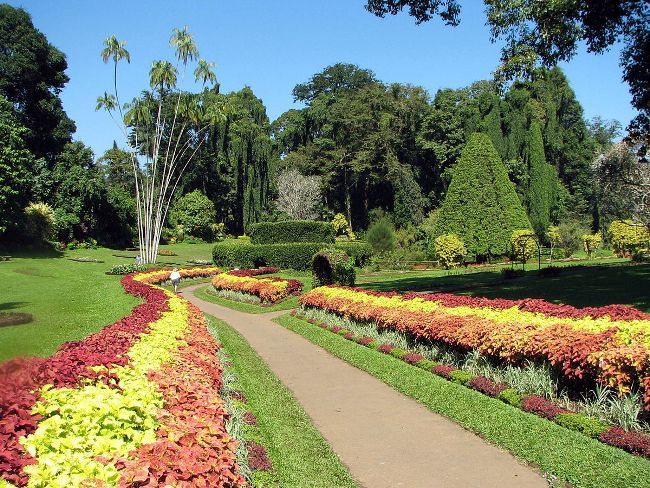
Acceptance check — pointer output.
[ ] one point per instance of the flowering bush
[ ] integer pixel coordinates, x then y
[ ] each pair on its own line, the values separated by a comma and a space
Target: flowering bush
133, 404
270, 290
610, 344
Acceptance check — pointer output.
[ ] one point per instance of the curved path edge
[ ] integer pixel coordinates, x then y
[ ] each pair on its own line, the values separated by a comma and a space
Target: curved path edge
385, 438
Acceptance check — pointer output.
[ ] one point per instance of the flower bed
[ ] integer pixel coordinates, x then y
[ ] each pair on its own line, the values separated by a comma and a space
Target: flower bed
134, 404
634, 442
610, 345
270, 290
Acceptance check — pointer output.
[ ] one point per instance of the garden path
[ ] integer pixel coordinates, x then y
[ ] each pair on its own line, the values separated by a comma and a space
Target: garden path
384, 438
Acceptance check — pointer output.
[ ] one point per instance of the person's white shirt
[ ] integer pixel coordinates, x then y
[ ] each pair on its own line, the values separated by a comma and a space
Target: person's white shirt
175, 275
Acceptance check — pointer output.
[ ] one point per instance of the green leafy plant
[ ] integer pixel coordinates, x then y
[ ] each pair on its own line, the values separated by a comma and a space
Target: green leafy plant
291, 231
587, 425
450, 250
381, 236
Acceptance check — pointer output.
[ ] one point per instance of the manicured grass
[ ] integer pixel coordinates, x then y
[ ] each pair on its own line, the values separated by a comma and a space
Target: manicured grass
581, 287
69, 300
598, 283
300, 455
205, 293
570, 456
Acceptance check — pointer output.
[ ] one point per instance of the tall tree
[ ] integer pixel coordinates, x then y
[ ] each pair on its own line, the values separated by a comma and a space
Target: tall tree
481, 205
32, 75
539, 197
162, 145
538, 33
15, 160
333, 79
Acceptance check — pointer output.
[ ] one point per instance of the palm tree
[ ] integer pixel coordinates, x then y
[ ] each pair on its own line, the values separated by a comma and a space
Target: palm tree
115, 49
107, 102
204, 72
185, 47
162, 74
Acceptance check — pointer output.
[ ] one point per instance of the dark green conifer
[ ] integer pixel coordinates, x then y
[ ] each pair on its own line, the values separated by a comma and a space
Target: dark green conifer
481, 205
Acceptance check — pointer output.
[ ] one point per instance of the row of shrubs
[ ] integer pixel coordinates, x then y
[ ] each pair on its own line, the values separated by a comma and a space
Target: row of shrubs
297, 255
634, 442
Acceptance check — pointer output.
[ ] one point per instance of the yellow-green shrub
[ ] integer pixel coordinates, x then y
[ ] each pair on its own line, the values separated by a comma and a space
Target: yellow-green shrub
450, 250
523, 244
591, 242
627, 236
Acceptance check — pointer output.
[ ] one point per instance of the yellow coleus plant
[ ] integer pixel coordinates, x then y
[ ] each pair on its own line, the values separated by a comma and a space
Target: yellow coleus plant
80, 426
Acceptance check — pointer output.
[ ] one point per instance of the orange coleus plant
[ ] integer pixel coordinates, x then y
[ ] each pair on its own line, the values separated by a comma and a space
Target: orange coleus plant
611, 349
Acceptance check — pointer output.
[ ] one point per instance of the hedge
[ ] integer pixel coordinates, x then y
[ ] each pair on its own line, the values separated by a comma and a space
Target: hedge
291, 231
361, 251
297, 255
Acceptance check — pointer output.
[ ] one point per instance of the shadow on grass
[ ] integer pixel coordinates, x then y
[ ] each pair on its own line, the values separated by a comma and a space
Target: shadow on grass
580, 286
11, 305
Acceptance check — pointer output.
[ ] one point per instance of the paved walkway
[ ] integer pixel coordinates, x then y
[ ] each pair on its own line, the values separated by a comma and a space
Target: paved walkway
384, 438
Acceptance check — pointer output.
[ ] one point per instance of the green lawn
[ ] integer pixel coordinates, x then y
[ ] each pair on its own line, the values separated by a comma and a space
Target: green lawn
300, 455
68, 299
584, 283
572, 457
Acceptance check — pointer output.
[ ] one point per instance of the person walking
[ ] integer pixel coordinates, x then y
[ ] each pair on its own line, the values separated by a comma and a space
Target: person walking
175, 278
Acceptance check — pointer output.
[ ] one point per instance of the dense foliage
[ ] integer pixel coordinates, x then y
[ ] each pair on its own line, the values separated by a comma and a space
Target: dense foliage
449, 250
195, 213
481, 206
291, 231
332, 267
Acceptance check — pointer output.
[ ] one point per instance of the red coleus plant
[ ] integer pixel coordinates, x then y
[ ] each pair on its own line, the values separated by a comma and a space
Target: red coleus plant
541, 406
486, 386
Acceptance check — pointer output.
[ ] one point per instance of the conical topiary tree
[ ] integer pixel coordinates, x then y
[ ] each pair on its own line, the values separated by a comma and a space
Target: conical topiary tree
481, 205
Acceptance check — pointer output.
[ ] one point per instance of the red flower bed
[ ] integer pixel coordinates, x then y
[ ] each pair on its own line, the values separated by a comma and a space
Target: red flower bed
486, 386
412, 358
443, 370
634, 442
254, 272
541, 406
20, 379
258, 457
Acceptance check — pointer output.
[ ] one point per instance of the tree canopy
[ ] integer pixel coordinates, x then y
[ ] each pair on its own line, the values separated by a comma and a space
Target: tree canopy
536, 33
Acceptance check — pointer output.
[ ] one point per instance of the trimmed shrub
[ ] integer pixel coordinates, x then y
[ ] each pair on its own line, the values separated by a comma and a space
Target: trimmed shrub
385, 348
460, 377
196, 213
365, 340
296, 255
125, 269
481, 205
486, 386
591, 242
360, 251
39, 222
511, 397
587, 425
398, 353
541, 406
449, 250
332, 266
626, 236
341, 226
426, 364
291, 231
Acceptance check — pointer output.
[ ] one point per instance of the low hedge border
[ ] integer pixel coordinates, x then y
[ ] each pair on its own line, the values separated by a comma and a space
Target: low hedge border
296, 255
636, 443
291, 231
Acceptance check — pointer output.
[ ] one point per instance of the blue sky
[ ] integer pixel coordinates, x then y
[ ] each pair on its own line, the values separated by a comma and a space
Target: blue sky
273, 45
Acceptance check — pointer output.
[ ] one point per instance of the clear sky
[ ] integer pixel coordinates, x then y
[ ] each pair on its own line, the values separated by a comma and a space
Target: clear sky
273, 45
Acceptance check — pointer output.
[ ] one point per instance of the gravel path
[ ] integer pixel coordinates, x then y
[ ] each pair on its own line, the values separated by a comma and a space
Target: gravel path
384, 438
